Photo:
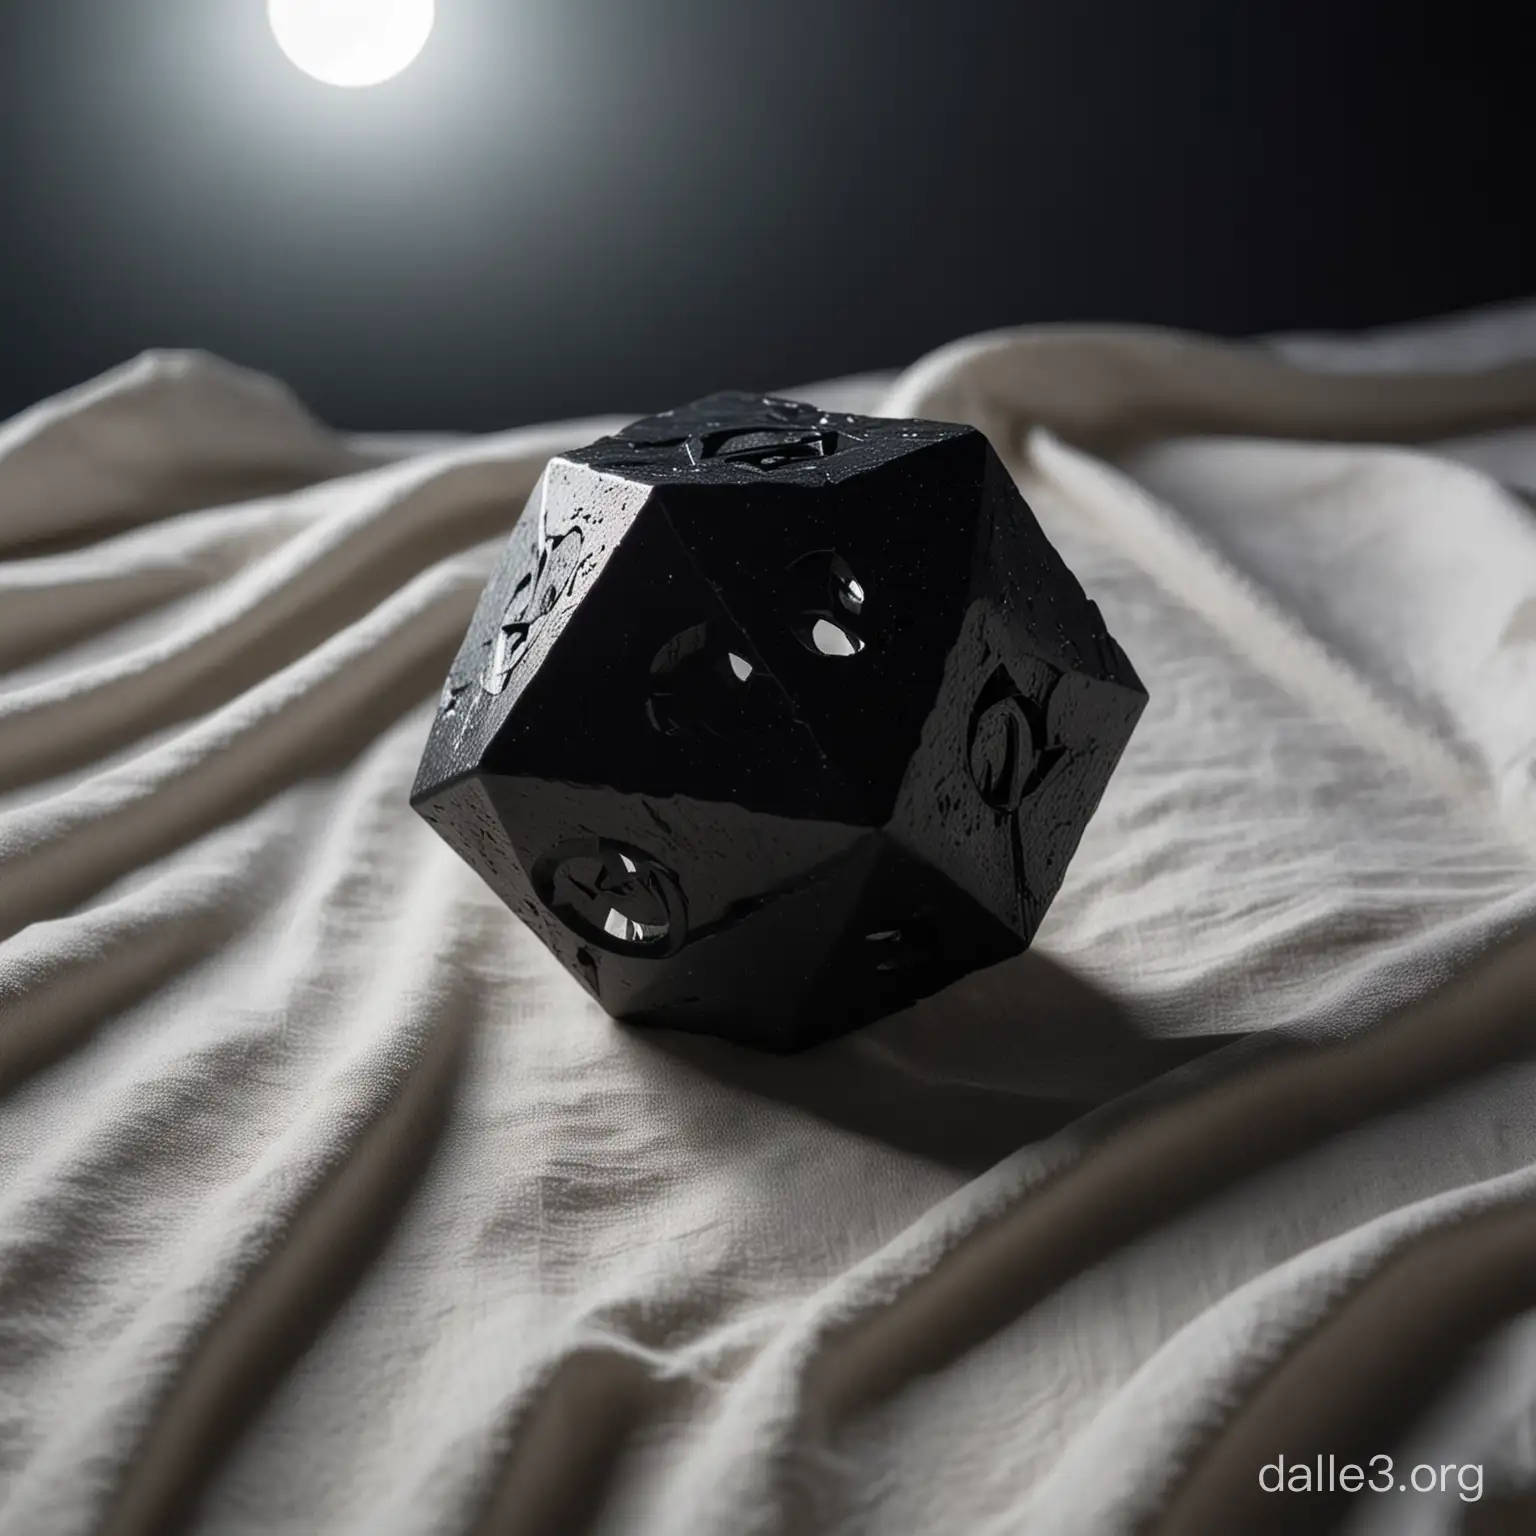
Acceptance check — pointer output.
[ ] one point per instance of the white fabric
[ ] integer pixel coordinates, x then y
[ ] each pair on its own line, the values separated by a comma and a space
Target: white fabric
329, 1203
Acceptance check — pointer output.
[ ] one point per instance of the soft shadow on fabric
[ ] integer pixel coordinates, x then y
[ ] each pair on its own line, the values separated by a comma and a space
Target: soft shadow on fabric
998, 1060
1171, 1157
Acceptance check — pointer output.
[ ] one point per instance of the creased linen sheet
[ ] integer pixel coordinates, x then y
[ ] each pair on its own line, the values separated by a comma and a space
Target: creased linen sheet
328, 1203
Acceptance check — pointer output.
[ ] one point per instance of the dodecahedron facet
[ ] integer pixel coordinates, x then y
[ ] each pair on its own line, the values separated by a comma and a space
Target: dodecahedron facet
772, 721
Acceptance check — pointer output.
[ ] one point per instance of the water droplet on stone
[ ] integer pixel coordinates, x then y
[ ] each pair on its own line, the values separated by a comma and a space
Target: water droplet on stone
833, 640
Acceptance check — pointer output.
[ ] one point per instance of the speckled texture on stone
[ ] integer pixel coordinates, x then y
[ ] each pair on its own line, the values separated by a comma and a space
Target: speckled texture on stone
772, 721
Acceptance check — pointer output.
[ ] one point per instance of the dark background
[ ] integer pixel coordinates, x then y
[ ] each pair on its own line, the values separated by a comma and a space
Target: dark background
573, 206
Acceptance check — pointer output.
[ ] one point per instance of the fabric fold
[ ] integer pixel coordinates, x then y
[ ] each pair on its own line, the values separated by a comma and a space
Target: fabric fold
329, 1203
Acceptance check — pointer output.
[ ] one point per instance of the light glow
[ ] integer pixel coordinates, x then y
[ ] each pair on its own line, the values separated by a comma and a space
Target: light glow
352, 43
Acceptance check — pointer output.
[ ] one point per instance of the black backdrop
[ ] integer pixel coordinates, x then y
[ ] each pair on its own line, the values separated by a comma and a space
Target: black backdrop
589, 205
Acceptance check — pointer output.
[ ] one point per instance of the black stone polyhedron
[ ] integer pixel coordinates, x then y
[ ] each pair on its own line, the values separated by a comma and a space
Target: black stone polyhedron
772, 721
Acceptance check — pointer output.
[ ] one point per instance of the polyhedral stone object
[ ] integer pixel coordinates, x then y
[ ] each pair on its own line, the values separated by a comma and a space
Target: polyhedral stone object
771, 721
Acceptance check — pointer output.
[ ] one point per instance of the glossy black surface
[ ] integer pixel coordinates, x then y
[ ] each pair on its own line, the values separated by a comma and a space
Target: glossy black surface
771, 721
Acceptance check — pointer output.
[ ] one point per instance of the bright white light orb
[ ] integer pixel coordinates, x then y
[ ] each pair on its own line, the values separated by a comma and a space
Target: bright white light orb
352, 42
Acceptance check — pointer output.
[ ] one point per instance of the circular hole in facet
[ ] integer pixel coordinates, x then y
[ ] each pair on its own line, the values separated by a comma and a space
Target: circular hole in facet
700, 686
826, 599
1002, 753
847, 589
613, 895
827, 637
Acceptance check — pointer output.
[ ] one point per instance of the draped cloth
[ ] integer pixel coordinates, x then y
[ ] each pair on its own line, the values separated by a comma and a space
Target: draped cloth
329, 1203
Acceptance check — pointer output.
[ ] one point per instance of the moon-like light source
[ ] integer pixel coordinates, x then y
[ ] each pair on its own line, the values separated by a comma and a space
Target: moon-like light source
352, 42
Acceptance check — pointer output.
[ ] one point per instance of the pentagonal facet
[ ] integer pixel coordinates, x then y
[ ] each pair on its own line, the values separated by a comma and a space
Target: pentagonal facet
851, 591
